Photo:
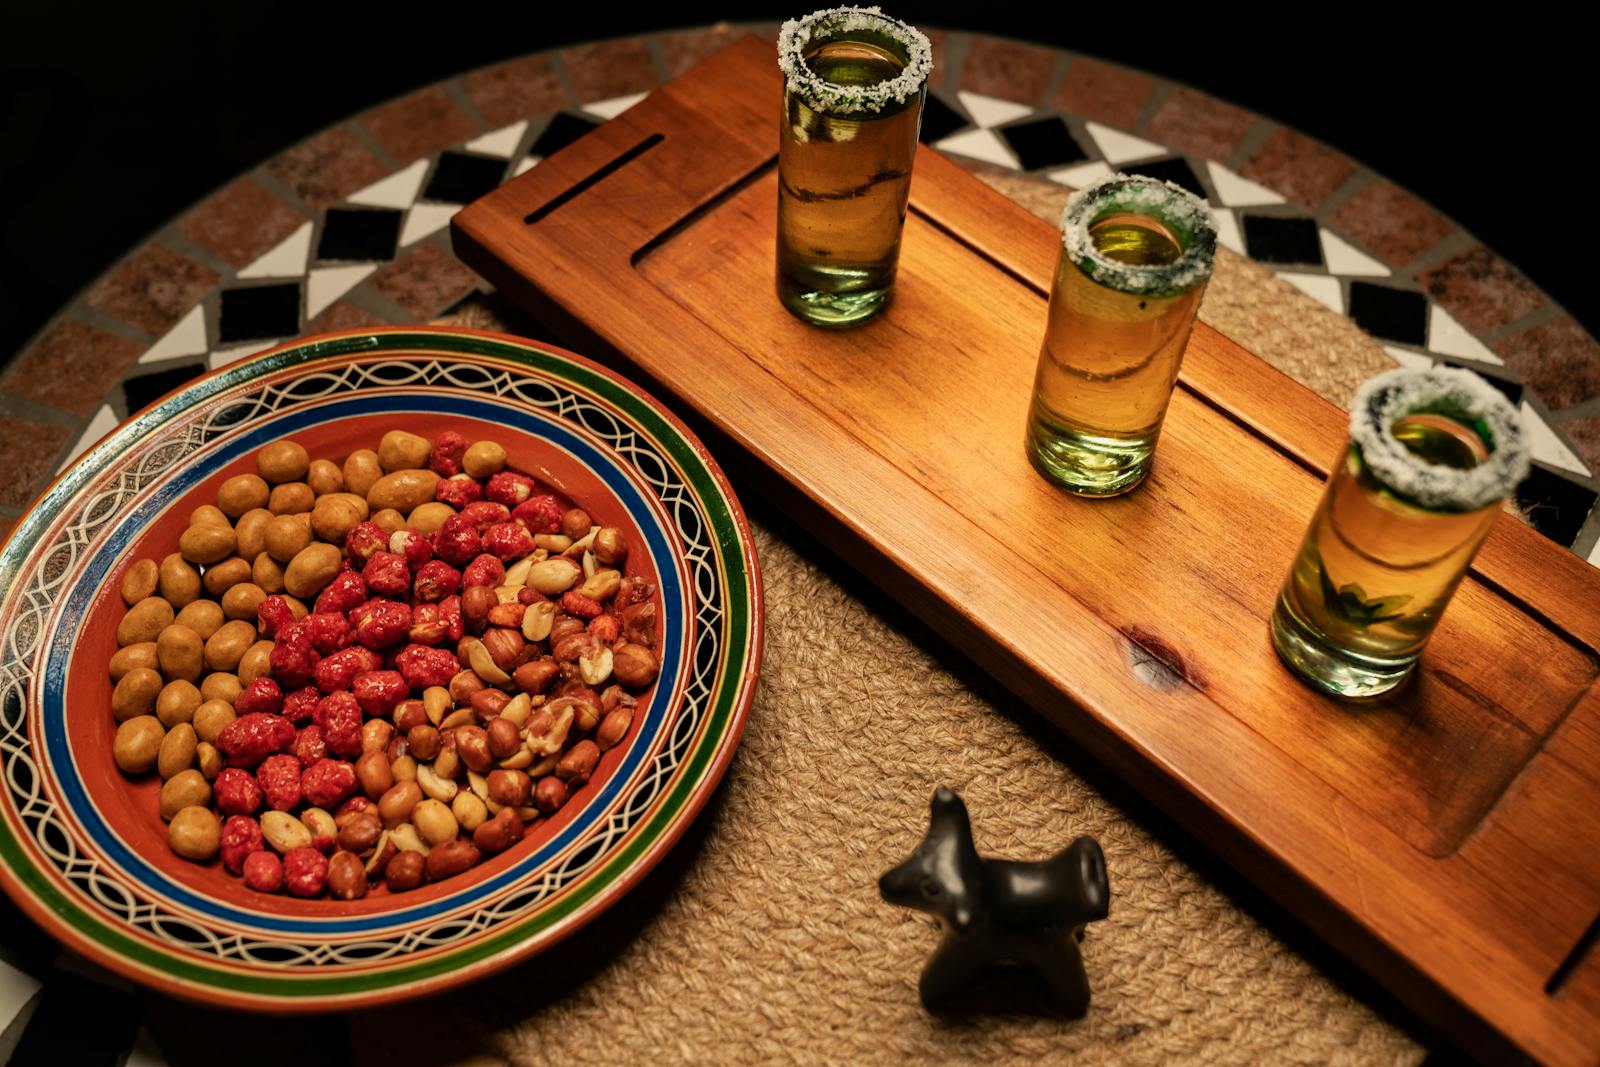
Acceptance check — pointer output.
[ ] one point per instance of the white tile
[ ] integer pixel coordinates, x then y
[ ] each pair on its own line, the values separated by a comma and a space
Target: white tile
424, 219
398, 190
1448, 337
501, 142
222, 357
610, 109
328, 284
188, 338
1342, 257
288, 260
980, 144
1080, 175
1594, 554
1235, 191
104, 421
1324, 288
988, 111
1228, 235
1545, 445
524, 165
1409, 359
1119, 147
144, 1052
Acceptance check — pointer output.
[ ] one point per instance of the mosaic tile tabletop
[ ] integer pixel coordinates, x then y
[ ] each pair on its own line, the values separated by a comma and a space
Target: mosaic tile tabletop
349, 228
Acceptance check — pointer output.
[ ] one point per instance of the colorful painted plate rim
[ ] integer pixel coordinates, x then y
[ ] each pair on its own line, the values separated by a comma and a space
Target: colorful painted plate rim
662, 823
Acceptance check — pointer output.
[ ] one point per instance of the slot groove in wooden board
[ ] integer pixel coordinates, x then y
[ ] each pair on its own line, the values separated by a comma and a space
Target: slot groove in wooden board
577, 189
1411, 833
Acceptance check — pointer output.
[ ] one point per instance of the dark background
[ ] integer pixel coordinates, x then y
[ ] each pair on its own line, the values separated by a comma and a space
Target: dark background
117, 118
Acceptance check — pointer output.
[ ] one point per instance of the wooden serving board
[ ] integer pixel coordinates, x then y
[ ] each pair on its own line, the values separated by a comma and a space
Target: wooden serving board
1446, 839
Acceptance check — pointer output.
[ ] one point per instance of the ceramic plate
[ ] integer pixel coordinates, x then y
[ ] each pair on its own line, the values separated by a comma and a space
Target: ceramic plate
82, 849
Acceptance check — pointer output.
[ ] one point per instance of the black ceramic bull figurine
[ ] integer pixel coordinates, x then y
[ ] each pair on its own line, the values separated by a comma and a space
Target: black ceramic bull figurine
1000, 911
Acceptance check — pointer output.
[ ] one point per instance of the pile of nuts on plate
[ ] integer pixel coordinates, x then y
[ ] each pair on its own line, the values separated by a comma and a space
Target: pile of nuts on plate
472, 646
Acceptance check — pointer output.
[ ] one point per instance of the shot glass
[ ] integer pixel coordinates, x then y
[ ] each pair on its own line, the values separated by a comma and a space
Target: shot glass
854, 82
1136, 254
1431, 456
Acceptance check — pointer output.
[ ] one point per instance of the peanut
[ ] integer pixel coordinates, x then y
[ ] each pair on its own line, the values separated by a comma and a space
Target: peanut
194, 834
139, 581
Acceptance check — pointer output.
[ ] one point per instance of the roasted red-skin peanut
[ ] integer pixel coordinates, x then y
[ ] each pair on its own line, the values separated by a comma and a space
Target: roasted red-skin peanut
347, 876
507, 614
508, 648
575, 523
375, 735
477, 601
396, 804
263, 871
510, 788
639, 624
504, 738
451, 858
634, 665
579, 763
489, 702
351, 808
633, 590
472, 745
463, 684
535, 676
241, 835
584, 607
605, 629
409, 714
373, 773
404, 872
610, 545
424, 742
499, 833
550, 794
305, 872
613, 728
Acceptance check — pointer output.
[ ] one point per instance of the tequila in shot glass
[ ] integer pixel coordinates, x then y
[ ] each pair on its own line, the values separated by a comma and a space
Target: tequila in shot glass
854, 81
1135, 258
1432, 453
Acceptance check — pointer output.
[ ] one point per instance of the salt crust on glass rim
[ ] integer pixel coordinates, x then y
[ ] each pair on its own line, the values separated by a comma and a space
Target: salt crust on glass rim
822, 95
1458, 394
1171, 204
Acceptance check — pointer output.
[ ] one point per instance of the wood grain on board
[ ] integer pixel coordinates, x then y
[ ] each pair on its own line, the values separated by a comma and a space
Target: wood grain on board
1444, 839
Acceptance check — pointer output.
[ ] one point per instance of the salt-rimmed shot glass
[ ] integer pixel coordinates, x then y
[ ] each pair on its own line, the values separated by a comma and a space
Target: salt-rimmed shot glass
1136, 254
854, 82
1431, 457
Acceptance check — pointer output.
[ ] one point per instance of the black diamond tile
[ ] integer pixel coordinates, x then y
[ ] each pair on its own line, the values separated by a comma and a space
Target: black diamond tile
359, 235
141, 392
1175, 171
1272, 239
1555, 506
1511, 389
562, 131
939, 120
1391, 314
461, 179
259, 313
1043, 143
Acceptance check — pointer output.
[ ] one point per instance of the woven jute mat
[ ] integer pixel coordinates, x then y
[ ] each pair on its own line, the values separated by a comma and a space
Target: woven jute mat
761, 939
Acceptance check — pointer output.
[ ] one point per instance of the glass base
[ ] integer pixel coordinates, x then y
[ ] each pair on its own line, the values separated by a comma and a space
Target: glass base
1337, 671
1088, 464
833, 310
